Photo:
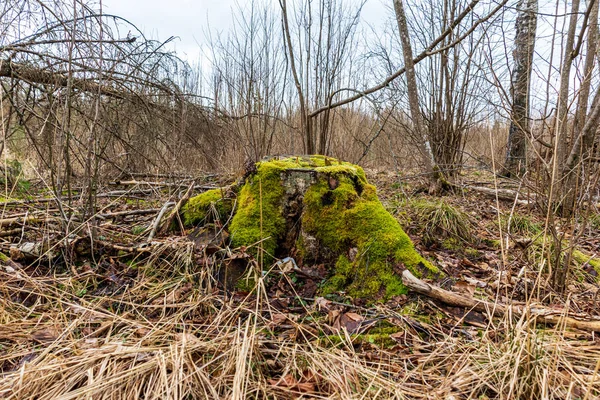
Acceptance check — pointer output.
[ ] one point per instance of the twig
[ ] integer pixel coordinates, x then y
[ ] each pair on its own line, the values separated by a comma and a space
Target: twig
165, 225
158, 218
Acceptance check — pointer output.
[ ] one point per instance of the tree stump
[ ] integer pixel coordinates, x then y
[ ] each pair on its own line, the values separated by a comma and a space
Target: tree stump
318, 210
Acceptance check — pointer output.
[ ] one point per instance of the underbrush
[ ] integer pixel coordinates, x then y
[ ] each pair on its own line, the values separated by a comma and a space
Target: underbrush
433, 220
160, 319
163, 336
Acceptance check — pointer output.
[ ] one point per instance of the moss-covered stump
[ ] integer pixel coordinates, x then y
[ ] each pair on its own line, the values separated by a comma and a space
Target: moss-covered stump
320, 210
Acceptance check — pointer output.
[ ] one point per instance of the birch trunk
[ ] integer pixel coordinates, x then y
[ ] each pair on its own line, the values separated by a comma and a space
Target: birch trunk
560, 138
519, 130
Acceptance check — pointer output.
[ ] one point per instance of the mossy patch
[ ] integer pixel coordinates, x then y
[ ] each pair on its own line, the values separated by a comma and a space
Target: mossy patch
259, 218
207, 207
380, 340
582, 259
346, 217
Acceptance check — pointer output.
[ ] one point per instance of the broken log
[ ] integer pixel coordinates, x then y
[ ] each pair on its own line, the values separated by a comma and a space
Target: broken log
502, 194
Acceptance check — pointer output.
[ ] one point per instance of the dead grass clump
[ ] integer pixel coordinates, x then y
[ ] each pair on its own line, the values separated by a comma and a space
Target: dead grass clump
439, 220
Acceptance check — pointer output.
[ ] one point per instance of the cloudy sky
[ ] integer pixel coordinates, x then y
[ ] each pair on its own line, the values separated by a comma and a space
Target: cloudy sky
190, 19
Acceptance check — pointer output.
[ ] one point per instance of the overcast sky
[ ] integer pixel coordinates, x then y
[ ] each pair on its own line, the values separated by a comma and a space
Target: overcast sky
189, 19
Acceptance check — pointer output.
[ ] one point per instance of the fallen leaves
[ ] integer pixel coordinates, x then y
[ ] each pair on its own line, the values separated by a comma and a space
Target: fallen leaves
305, 384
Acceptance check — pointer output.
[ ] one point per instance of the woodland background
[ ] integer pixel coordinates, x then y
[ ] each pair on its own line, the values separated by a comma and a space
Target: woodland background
486, 106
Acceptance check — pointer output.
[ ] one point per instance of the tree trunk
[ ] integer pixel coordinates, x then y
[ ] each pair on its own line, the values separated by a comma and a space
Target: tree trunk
561, 143
431, 168
585, 125
305, 120
518, 133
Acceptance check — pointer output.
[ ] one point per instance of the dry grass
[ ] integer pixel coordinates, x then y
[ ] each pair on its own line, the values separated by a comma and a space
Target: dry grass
162, 337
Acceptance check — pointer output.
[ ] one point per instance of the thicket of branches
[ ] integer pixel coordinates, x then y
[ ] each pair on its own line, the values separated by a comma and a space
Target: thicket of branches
443, 85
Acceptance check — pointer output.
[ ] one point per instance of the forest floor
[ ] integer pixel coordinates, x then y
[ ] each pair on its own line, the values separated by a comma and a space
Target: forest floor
124, 317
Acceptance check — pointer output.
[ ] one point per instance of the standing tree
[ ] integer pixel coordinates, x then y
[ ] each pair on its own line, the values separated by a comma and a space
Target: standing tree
431, 168
518, 133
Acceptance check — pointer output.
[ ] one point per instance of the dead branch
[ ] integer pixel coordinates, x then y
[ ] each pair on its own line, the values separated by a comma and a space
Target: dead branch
156, 223
30, 219
546, 315
502, 194
167, 222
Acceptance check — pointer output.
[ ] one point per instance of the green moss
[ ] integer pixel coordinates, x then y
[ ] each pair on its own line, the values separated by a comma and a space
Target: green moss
362, 243
200, 208
582, 258
246, 283
351, 216
472, 252
4, 258
381, 340
137, 230
492, 243
259, 220
452, 244
455, 245
385, 330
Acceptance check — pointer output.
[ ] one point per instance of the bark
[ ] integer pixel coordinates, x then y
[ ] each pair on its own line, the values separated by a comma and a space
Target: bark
427, 157
34, 74
584, 125
519, 130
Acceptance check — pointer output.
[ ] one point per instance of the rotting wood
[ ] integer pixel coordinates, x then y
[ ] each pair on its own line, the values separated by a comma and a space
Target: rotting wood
544, 315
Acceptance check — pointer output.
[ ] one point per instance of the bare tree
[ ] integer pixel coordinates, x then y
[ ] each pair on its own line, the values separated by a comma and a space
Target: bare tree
430, 166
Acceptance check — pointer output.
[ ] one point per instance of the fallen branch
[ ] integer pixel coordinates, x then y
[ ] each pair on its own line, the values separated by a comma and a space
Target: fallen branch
22, 220
502, 194
547, 316
167, 222
126, 213
158, 218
